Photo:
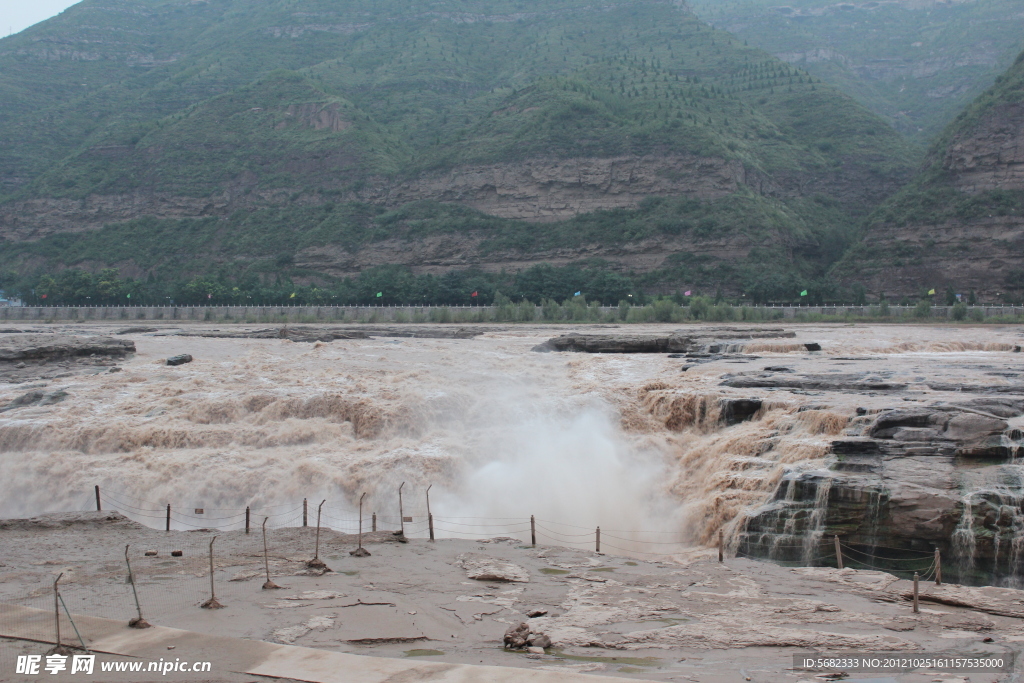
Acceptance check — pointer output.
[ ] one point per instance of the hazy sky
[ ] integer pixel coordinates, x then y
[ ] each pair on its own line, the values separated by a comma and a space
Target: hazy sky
17, 15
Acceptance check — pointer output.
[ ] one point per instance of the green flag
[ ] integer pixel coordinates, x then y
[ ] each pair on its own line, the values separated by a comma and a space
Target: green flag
379, 294
803, 293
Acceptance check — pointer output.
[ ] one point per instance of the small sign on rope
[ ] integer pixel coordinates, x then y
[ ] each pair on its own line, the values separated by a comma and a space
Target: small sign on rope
406, 519
199, 511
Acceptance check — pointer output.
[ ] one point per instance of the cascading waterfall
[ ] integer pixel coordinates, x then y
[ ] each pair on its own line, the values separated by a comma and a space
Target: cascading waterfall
964, 541
816, 523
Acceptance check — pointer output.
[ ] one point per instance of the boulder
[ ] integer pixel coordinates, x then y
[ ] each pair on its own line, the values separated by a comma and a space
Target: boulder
736, 410
17, 348
516, 636
180, 359
36, 398
539, 640
483, 568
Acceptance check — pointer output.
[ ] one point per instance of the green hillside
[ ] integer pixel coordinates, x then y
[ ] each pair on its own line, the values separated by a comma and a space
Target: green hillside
916, 63
277, 126
963, 212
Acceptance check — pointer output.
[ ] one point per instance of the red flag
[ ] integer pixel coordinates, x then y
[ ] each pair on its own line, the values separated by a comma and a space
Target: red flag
686, 293
44, 296
474, 294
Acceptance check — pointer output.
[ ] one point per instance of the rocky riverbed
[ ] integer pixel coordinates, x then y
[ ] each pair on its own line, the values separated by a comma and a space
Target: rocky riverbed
901, 440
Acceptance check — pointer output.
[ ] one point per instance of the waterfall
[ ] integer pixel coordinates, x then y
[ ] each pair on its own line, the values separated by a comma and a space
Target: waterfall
964, 542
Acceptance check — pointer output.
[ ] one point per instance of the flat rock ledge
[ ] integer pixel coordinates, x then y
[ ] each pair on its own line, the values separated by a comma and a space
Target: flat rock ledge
483, 568
675, 342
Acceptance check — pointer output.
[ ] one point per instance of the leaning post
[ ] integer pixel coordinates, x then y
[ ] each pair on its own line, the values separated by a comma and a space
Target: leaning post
839, 553
430, 517
401, 512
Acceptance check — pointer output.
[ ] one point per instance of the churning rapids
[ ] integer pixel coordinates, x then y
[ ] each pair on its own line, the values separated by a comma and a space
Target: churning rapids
899, 439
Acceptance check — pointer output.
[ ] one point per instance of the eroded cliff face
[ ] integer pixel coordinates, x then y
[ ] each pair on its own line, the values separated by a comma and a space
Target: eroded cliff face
970, 233
535, 190
983, 255
991, 155
439, 254
552, 189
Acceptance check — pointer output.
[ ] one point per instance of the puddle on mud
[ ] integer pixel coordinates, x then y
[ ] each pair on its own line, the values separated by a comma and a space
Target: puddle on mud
422, 653
550, 570
626, 661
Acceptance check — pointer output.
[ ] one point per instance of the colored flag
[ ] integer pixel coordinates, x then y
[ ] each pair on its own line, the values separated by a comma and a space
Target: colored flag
44, 296
210, 296
292, 296
930, 292
129, 295
474, 294
686, 293
803, 293
379, 294
576, 294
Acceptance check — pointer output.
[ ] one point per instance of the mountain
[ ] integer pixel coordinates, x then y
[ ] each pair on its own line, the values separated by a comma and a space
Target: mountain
959, 225
316, 139
917, 63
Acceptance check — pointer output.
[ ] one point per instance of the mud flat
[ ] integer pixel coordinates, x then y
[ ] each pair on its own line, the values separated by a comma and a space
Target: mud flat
687, 618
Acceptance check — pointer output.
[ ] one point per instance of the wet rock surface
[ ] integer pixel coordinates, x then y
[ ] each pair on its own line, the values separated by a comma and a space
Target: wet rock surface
315, 333
690, 618
711, 341
32, 356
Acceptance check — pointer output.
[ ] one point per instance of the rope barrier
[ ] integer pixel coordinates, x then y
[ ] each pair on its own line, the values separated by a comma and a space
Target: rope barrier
558, 533
346, 521
923, 553
887, 559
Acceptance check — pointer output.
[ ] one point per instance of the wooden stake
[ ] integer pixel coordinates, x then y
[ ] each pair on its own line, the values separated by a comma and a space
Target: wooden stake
360, 551
99, 508
247, 519
56, 609
305, 513
266, 558
138, 622
361, 519
401, 513
316, 552
721, 545
916, 610
430, 517
598, 539
938, 568
533, 531
212, 602
839, 553
168, 527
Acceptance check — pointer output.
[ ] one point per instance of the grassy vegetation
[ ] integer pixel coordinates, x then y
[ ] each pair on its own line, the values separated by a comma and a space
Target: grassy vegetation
932, 197
303, 108
916, 65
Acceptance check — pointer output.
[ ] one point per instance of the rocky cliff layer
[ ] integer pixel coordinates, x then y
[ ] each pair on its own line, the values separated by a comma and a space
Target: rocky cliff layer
903, 483
960, 223
537, 190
